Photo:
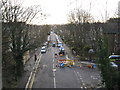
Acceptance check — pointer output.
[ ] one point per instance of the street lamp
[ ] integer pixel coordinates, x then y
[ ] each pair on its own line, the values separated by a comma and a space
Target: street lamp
90, 52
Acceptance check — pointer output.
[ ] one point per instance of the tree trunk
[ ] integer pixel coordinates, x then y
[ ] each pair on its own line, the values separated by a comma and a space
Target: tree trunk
19, 65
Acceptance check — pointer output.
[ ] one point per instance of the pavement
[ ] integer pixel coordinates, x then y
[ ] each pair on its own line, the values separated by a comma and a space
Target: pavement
28, 68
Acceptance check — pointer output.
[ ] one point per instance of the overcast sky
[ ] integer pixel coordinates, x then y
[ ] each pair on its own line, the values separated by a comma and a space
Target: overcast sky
58, 9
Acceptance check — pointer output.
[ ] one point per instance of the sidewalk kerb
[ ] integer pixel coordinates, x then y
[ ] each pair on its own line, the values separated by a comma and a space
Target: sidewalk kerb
32, 74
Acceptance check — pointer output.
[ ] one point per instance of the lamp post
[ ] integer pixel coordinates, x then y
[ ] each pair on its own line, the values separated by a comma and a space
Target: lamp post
90, 53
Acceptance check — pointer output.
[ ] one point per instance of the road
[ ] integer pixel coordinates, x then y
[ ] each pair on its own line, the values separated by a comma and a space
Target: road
50, 76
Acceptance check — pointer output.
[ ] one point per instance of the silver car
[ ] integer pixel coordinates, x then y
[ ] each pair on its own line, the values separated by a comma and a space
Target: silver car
43, 49
113, 64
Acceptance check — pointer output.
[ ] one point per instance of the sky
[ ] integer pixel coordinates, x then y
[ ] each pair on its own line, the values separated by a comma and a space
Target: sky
58, 10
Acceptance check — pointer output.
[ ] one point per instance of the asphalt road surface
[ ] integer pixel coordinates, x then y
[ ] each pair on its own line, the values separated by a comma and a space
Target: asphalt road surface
50, 76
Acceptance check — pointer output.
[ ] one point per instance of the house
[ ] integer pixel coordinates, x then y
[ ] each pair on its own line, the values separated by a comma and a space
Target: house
111, 31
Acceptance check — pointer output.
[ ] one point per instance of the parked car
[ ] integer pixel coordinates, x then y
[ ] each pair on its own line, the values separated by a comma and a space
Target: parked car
43, 49
45, 44
113, 64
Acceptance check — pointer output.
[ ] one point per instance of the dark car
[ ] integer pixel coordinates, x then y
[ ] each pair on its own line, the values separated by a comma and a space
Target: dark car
62, 52
48, 33
53, 44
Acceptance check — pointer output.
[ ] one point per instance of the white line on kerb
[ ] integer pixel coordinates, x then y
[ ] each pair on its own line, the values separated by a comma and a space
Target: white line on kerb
67, 57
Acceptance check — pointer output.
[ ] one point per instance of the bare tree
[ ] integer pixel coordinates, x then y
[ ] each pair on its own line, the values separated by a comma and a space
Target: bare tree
79, 16
16, 17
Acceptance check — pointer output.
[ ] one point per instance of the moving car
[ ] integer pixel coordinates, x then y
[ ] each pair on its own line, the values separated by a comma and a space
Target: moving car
53, 45
43, 49
61, 48
59, 44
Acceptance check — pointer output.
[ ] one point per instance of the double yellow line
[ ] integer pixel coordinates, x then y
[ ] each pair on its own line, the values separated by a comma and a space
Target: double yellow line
32, 74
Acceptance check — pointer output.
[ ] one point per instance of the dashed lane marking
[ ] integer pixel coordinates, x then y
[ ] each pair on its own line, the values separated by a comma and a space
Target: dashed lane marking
76, 75
54, 81
80, 78
54, 70
83, 84
81, 87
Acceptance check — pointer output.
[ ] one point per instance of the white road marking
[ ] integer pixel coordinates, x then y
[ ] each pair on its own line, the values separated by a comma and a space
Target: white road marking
44, 66
83, 84
82, 87
91, 76
54, 70
76, 75
54, 81
67, 57
80, 78
53, 65
28, 80
99, 80
53, 74
32, 74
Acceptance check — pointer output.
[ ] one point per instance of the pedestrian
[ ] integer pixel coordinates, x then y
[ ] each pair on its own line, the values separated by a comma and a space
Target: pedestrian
35, 57
80, 66
56, 55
